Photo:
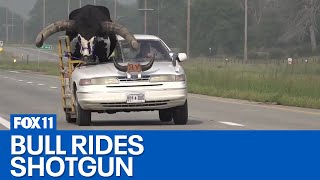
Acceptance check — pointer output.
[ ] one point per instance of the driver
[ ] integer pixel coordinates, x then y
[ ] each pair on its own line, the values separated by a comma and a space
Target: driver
145, 51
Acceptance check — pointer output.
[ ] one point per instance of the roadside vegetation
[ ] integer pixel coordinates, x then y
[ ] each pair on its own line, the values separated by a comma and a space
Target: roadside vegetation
274, 82
7, 62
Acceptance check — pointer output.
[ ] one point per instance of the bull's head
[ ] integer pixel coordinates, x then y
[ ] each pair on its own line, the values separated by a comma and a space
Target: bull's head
86, 39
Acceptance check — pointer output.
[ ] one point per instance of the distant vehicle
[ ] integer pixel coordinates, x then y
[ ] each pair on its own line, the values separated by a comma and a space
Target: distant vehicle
123, 87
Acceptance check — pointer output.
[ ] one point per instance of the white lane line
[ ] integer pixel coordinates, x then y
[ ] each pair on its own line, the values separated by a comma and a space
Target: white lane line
29, 82
5, 123
52, 87
232, 124
6, 77
17, 72
40, 84
21, 80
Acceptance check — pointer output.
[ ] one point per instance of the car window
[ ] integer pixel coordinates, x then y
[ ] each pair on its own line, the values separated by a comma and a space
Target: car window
147, 49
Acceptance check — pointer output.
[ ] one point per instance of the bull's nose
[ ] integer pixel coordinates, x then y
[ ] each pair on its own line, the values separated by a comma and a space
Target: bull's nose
86, 58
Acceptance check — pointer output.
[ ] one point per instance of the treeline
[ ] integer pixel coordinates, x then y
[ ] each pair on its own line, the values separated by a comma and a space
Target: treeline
11, 26
276, 28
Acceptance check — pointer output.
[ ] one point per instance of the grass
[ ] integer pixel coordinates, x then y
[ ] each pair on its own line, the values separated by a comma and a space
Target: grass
293, 85
7, 62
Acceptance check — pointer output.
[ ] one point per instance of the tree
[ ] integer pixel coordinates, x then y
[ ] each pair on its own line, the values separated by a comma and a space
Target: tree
172, 21
304, 22
15, 31
218, 25
57, 10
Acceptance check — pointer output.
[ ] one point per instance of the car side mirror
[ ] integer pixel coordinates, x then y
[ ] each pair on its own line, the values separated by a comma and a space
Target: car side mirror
178, 57
182, 57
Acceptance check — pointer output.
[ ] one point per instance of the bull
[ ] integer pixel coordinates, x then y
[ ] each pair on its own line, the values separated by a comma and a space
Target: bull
94, 33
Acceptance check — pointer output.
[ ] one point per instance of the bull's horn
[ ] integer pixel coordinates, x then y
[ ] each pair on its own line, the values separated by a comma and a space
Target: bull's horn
149, 65
122, 31
58, 26
119, 67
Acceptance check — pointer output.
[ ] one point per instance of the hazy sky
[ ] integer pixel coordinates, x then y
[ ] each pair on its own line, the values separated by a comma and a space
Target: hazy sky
23, 7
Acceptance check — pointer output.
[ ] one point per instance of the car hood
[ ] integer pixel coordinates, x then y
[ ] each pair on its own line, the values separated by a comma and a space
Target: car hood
108, 69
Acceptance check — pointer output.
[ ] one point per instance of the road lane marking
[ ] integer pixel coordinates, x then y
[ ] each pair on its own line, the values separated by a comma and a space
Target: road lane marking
21, 80
5, 123
29, 82
40, 84
5, 77
52, 87
232, 124
261, 106
17, 72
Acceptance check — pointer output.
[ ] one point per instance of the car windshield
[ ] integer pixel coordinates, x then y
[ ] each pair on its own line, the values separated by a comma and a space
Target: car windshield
147, 49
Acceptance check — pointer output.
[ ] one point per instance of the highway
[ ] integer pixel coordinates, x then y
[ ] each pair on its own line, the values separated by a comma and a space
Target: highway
22, 92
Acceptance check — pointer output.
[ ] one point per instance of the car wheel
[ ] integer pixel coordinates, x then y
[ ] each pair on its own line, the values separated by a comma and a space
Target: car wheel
69, 119
165, 115
83, 116
180, 114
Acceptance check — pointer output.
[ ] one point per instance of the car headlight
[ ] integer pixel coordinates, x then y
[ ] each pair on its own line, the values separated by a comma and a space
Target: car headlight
168, 78
99, 81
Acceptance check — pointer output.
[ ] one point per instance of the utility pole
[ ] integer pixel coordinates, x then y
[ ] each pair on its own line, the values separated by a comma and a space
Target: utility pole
158, 18
7, 27
94, 2
245, 58
23, 23
44, 14
12, 19
115, 10
145, 10
80, 3
188, 28
145, 17
68, 8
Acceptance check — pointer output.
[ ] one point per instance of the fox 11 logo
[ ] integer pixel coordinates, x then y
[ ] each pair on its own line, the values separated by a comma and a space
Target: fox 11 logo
33, 122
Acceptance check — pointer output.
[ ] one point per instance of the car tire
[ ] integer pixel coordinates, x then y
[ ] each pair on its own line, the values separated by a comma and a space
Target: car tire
83, 116
165, 115
180, 114
69, 119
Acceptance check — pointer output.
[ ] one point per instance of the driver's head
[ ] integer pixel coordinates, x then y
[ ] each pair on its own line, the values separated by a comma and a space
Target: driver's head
144, 48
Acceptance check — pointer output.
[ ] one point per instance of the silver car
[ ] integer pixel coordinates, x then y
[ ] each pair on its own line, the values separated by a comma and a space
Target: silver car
103, 88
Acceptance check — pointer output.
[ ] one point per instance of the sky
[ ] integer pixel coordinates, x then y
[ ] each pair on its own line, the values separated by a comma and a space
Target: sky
23, 7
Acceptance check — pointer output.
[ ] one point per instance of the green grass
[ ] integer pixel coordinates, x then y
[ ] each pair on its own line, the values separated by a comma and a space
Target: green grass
6, 62
294, 85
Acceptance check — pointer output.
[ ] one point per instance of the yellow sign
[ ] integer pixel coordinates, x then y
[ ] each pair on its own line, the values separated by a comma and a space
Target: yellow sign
1, 49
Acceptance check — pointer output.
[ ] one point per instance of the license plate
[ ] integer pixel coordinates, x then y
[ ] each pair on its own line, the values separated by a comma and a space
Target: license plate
135, 98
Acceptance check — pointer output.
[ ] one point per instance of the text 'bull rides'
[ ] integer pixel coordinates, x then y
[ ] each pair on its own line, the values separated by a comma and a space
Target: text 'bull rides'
95, 33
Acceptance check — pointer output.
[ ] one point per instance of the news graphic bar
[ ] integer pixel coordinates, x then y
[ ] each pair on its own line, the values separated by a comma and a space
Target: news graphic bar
34, 149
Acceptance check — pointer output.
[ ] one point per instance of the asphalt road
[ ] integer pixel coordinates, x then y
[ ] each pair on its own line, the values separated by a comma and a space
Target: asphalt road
34, 93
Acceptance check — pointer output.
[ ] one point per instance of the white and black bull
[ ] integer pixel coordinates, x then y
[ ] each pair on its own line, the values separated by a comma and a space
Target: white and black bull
95, 33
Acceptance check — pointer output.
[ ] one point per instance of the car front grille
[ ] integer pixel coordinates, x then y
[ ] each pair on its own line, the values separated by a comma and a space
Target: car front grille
125, 105
134, 79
